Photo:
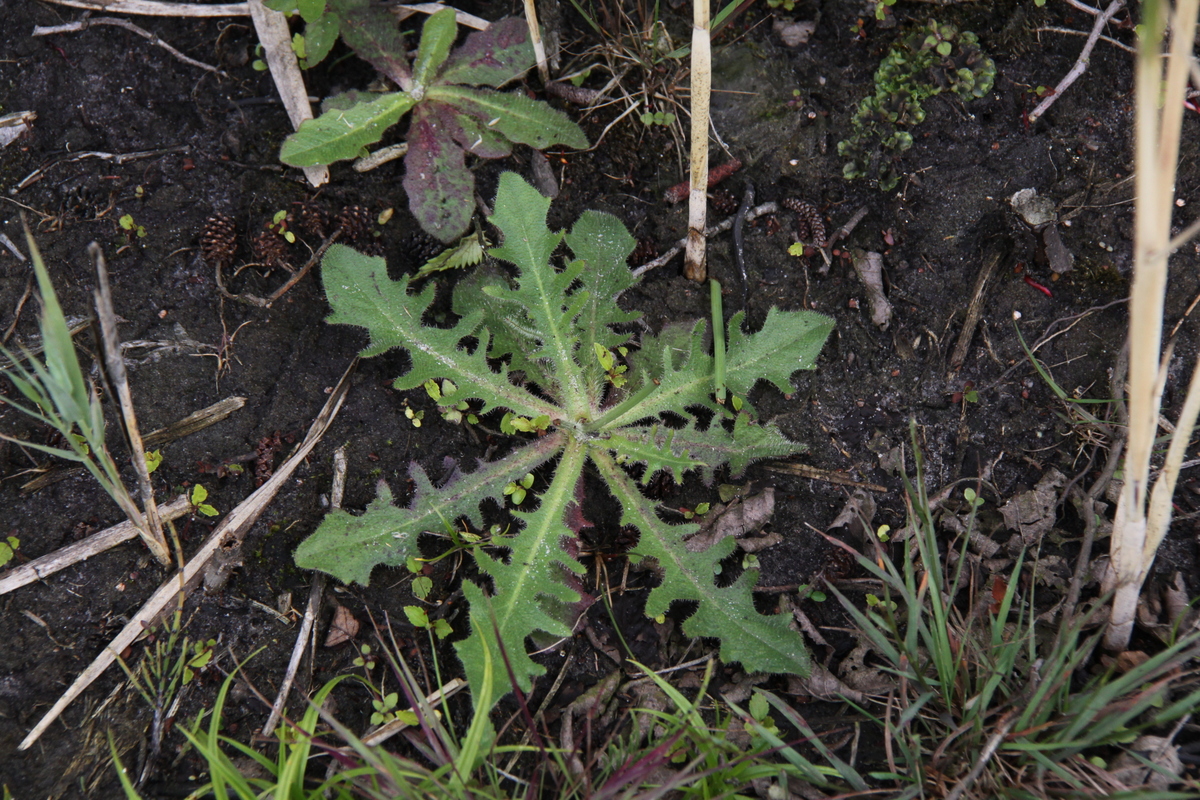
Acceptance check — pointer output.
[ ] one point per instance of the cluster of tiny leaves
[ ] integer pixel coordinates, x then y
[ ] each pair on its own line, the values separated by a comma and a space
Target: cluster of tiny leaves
925, 62
546, 322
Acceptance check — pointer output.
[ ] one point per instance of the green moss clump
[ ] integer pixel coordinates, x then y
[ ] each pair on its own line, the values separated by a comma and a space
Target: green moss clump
929, 60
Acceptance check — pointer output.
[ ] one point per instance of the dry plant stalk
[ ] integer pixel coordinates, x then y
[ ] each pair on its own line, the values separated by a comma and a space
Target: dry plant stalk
535, 36
276, 39
148, 519
694, 264
230, 532
1144, 513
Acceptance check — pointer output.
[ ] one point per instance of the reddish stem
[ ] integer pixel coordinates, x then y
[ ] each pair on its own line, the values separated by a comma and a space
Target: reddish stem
679, 192
1038, 286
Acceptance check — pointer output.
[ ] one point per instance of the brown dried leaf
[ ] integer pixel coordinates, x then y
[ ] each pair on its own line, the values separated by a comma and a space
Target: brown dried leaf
824, 685
858, 518
855, 672
1133, 772
1032, 513
343, 628
753, 544
739, 518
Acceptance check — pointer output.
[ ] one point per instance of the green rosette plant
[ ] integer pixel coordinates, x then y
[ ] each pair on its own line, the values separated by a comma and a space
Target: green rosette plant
542, 347
925, 62
451, 113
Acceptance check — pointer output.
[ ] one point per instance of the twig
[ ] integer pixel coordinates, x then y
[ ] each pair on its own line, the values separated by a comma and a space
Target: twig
462, 17
848, 228
116, 158
381, 157
149, 8
815, 474
12, 248
991, 260
739, 243
115, 367
314, 603
390, 729
752, 214
292, 281
1070, 32
230, 532
196, 421
993, 744
84, 549
276, 39
84, 24
1081, 64
255, 300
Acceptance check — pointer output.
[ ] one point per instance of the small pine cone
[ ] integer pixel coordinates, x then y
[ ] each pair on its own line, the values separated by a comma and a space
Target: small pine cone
312, 220
218, 241
370, 245
645, 251
723, 201
355, 224
271, 250
808, 221
420, 246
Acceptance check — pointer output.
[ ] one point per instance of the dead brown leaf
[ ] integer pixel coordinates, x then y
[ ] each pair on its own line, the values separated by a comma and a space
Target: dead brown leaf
1032, 513
343, 628
739, 518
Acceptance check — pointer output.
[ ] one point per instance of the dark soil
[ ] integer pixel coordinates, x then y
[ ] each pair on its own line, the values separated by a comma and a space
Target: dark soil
210, 145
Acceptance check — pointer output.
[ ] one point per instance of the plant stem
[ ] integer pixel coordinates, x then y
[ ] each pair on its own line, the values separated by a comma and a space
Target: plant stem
1135, 538
535, 36
718, 328
694, 266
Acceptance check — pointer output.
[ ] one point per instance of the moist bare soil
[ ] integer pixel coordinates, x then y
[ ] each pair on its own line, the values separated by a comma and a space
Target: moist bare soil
125, 128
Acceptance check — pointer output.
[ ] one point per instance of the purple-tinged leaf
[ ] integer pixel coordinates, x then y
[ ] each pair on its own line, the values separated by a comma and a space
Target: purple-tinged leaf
440, 188
491, 57
474, 136
373, 34
514, 116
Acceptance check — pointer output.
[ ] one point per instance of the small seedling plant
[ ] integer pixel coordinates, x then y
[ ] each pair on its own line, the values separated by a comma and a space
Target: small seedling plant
526, 346
925, 62
450, 114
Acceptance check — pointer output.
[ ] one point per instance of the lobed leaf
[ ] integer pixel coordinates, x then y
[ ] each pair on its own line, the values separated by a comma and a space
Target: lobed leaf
349, 547
361, 293
678, 451
680, 368
340, 134
543, 312
683, 369
526, 581
491, 57
440, 188
760, 643
517, 117
788, 341
601, 245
